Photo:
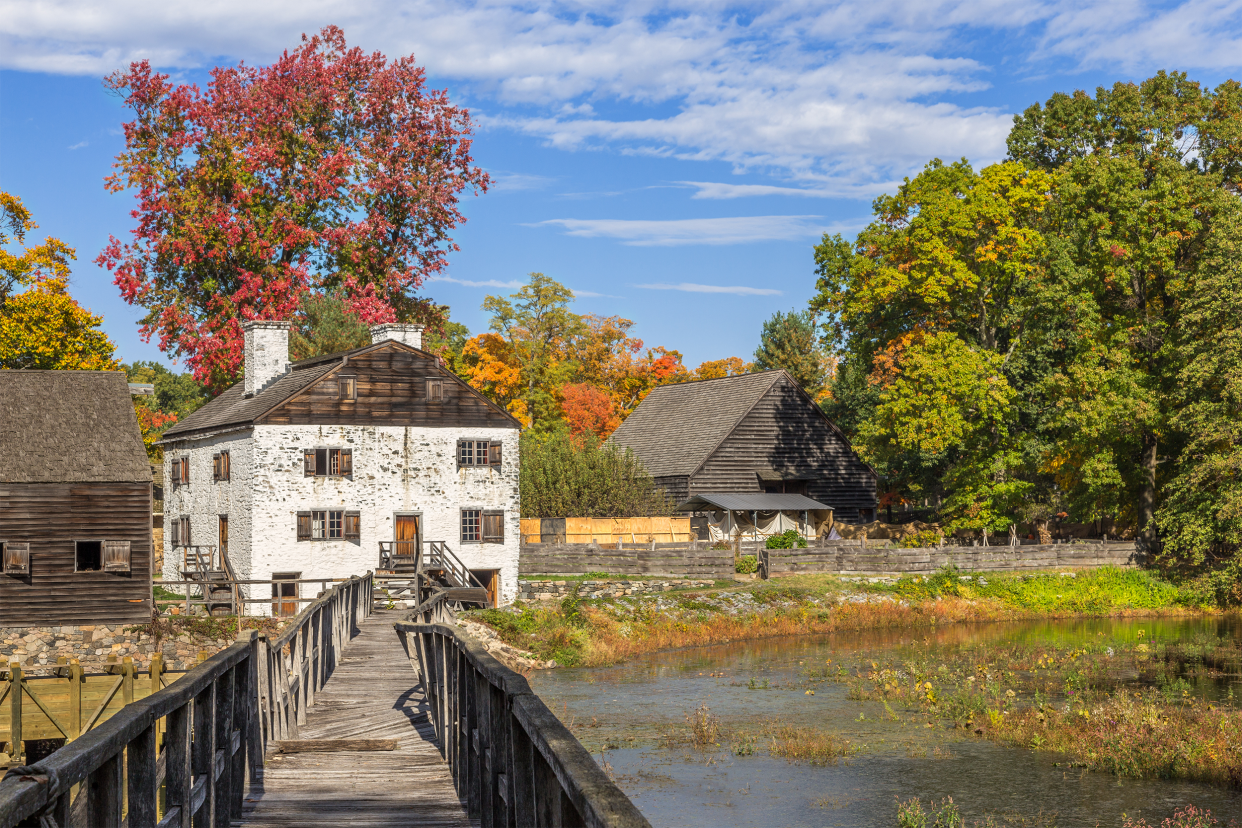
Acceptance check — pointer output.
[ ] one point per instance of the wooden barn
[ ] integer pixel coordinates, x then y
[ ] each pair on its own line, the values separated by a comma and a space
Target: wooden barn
75, 501
747, 435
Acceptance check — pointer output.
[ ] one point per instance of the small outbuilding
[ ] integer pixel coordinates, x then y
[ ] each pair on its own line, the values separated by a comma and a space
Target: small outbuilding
748, 435
75, 501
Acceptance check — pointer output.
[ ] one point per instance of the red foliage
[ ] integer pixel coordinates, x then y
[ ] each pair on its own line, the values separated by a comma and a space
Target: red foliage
328, 169
589, 409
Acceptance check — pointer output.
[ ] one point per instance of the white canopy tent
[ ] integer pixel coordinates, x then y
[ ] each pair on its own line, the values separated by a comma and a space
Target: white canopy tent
759, 515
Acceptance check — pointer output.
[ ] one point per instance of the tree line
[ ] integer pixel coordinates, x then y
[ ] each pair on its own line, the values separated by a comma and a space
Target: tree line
1058, 334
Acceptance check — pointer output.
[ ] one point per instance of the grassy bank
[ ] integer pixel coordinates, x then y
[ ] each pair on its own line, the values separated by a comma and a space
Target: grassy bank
579, 632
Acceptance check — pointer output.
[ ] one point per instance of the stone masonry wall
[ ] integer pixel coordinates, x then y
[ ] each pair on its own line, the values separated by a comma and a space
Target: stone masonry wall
37, 648
551, 590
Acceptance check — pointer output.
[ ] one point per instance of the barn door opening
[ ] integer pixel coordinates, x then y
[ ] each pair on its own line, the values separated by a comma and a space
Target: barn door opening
408, 536
490, 579
285, 596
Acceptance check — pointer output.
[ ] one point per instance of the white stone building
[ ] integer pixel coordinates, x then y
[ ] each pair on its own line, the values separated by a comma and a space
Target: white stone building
303, 469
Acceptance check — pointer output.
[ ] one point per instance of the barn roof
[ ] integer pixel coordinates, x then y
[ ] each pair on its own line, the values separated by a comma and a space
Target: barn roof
69, 427
676, 427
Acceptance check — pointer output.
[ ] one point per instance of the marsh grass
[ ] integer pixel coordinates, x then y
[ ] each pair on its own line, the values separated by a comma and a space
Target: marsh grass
590, 633
1188, 817
806, 744
946, 814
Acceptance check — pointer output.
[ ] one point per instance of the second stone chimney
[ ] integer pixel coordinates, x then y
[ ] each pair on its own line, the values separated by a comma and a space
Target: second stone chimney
411, 335
267, 353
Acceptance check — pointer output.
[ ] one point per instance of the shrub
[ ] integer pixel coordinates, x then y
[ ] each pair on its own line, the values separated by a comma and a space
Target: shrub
789, 539
920, 540
747, 564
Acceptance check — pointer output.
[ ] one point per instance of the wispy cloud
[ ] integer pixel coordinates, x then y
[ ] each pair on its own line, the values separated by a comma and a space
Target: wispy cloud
590, 294
489, 283
676, 232
79, 145
691, 287
720, 190
509, 182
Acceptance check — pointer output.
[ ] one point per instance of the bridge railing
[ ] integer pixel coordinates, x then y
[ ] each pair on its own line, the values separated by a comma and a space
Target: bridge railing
513, 761
215, 724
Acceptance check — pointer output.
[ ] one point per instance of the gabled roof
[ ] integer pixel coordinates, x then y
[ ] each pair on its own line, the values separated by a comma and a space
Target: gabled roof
232, 408
676, 427
751, 502
69, 427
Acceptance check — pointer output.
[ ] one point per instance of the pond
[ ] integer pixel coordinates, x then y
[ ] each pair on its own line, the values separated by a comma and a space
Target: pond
637, 719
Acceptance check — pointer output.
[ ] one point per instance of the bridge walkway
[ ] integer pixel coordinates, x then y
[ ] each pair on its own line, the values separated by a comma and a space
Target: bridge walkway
372, 694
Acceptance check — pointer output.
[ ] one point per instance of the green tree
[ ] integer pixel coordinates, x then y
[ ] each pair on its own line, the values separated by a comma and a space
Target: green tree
791, 341
578, 476
325, 325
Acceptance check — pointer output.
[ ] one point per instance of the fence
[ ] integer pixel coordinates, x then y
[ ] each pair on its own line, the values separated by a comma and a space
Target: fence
53, 707
688, 560
607, 530
512, 760
215, 722
696, 559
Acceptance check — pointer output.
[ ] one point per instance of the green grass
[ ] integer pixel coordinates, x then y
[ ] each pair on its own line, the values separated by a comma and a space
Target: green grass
1086, 591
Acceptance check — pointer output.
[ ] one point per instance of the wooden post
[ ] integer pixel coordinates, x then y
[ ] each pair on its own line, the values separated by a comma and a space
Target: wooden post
203, 753
128, 672
104, 787
16, 754
76, 680
178, 765
222, 798
143, 790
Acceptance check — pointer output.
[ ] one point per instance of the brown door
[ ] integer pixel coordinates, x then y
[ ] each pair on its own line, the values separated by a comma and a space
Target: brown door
408, 537
284, 596
224, 538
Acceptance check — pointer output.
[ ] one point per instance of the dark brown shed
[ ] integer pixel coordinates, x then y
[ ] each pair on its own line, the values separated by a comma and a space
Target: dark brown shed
749, 433
75, 501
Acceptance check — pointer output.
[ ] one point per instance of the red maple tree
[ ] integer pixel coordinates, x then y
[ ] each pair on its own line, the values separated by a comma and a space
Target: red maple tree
330, 169
588, 409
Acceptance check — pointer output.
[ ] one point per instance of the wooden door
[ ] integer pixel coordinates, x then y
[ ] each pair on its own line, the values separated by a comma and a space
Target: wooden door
408, 536
224, 539
284, 596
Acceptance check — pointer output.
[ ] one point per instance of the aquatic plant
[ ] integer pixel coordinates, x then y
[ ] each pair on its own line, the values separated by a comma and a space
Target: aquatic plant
807, 744
1188, 817
910, 814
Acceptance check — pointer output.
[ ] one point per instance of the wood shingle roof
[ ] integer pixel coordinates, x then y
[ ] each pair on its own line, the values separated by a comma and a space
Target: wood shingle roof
69, 427
676, 427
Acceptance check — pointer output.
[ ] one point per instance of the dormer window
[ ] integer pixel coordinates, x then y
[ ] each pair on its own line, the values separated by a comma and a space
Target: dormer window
435, 390
347, 388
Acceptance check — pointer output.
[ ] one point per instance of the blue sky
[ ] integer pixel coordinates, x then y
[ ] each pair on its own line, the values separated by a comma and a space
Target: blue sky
672, 162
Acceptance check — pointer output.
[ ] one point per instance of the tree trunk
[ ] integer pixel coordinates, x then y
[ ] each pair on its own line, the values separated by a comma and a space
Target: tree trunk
1147, 496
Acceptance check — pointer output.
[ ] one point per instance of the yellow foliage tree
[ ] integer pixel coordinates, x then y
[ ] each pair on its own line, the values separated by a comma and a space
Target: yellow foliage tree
45, 328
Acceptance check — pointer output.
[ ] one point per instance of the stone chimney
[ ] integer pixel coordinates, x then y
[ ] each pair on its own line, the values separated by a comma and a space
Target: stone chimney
267, 353
411, 335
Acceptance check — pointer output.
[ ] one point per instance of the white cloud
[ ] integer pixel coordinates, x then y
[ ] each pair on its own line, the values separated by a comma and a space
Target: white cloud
79, 145
509, 182
489, 283
590, 294
838, 97
691, 287
721, 190
675, 232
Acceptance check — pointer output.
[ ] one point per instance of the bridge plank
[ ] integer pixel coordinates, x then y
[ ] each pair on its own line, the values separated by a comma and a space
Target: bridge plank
372, 695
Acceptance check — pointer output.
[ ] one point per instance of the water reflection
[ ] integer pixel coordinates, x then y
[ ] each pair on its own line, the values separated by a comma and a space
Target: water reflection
621, 712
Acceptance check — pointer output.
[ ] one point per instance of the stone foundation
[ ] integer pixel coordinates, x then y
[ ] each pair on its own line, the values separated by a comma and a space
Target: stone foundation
37, 648
550, 590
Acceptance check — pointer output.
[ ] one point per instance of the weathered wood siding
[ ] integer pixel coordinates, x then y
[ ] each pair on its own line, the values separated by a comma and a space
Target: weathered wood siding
785, 431
677, 488
51, 517
392, 390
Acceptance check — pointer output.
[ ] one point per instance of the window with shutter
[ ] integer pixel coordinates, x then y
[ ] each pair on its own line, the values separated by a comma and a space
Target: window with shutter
220, 466
304, 526
470, 529
493, 455
353, 525
174, 471
347, 462
174, 534
16, 558
215, 467
493, 527
185, 530
116, 556
435, 390
185, 469
347, 388
308, 463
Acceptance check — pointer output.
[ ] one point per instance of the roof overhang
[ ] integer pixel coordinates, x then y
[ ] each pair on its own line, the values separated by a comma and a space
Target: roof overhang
751, 502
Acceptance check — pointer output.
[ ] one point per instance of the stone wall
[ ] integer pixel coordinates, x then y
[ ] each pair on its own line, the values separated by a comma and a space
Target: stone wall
553, 590
37, 648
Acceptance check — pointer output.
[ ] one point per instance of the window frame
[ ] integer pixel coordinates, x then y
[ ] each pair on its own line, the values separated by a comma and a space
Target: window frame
176, 539
309, 521
347, 388
332, 456
478, 525
221, 467
482, 452
9, 547
77, 541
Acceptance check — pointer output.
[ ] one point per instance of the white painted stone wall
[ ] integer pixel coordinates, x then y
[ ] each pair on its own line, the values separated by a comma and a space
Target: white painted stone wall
396, 469
204, 501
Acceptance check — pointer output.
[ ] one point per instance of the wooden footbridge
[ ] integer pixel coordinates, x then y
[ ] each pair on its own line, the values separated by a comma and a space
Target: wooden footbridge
352, 716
